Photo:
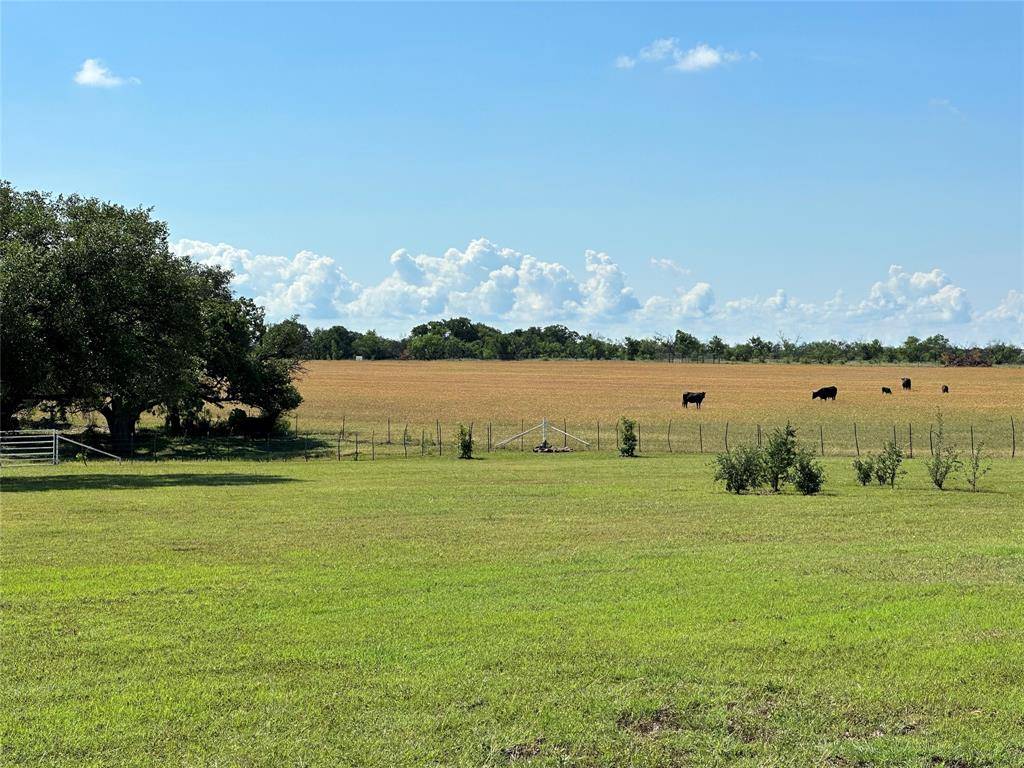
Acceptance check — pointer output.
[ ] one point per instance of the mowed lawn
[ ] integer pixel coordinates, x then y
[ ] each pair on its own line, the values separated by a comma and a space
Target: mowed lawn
519, 609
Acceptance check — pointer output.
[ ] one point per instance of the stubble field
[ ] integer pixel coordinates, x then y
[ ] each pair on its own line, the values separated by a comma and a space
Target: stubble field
364, 395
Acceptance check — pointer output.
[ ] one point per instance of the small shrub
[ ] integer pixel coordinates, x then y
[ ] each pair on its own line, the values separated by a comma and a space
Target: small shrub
741, 470
976, 466
779, 456
465, 442
865, 469
889, 464
627, 437
945, 457
808, 475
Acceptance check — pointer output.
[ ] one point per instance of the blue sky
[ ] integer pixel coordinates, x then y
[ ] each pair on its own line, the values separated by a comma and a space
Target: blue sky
811, 169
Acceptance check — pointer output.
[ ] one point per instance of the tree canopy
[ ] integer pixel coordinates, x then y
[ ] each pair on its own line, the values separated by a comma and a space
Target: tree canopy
98, 314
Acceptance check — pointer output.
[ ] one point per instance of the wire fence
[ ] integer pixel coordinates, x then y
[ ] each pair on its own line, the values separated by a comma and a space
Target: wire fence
368, 440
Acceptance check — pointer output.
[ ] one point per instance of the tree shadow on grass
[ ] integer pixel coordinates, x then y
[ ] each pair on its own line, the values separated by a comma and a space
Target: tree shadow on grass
119, 482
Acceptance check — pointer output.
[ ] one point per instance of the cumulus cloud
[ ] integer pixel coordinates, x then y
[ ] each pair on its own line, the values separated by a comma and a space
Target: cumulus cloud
94, 74
917, 295
306, 284
501, 285
700, 57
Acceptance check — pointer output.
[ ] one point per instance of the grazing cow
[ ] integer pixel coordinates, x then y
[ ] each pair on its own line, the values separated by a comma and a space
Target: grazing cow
693, 397
906, 384
825, 393
886, 391
945, 389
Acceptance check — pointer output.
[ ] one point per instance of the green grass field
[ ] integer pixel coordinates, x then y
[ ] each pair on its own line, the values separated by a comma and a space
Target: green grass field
520, 609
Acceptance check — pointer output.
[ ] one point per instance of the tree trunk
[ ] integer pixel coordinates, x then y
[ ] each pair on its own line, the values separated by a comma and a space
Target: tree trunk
121, 422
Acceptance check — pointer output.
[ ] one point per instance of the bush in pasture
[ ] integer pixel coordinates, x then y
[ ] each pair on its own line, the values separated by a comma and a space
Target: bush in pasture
465, 442
865, 469
741, 470
627, 437
945, 457
779, 456
976, 466
889, 464
808, 475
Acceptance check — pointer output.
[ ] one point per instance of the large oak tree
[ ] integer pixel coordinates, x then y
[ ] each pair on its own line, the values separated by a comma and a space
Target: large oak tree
97, 313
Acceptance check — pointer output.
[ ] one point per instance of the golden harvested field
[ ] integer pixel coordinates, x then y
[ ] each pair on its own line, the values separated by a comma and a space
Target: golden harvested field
582, 393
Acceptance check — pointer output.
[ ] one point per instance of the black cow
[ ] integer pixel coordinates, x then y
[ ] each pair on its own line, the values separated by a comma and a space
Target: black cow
945, 389
886, 391
825, 393
693, 397
906, 385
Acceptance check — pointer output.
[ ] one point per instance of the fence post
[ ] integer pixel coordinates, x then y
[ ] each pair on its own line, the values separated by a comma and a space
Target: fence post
1013, 439
405, 440
565, 439
423, 442
373, 445
856, 442
931, 446
599, 434
56, 456
438, 424
339, 446
389, 430
894, 441
670, 435
758, 435
910, 434
522, 438
342, 426
638, 443
489, 436
972, 439
700, 436
727, 437
357, 447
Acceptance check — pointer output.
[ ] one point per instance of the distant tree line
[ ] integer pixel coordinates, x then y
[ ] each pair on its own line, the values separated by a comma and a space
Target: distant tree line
97, 314
460, 338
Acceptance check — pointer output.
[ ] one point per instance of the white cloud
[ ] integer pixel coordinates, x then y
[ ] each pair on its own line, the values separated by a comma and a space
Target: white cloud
945, 105
307, 284
660, 49
500, 285
918, 295
670, 266
700, 57
93, 73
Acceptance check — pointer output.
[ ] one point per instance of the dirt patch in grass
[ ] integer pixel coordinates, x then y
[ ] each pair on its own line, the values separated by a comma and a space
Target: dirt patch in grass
525, 750
663, 719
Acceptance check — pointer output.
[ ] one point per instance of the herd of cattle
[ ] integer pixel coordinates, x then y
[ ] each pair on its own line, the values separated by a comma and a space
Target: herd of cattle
825, 393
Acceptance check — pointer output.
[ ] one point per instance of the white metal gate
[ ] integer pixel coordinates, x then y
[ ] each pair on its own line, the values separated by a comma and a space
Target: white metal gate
18, 448
29, 448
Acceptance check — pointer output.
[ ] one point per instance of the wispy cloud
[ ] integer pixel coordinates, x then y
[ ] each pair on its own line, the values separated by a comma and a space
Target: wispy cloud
945, 105
698, 58
94, 74
669, 266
